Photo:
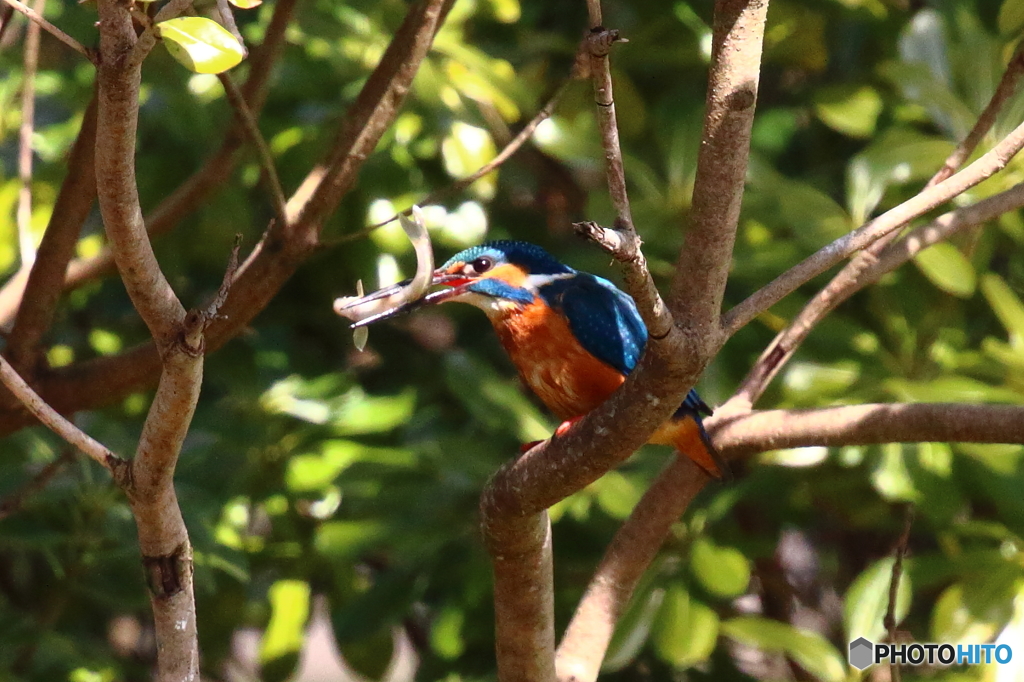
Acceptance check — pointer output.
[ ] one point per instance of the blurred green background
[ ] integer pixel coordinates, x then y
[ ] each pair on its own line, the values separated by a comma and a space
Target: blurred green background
317, 480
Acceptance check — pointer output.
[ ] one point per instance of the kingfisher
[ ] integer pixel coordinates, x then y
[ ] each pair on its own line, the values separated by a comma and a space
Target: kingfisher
573, 336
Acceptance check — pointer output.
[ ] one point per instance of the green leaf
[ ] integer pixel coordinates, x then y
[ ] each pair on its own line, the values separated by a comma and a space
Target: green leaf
385, 603
289, 610
200, 44
1011, 17
850, 109
358, 413
975, 611
343, 539
686, 629
633, 628
446, 633
948, 269
897, 156
722, 571
1006, 305
494, 401
616, 494
809, 649
369, 655
868, 598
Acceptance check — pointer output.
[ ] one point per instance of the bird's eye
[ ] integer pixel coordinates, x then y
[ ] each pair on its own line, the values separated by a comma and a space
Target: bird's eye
480, 265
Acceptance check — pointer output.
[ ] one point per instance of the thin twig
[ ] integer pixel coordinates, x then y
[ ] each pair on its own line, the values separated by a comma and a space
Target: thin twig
631, 551
366, 120
942, 228
58, 424
213, 309
148, 38
1007, 86
26, 240
60, 35
16, 500
252, 130
623, 242
504, 155
866, 268
894, 586
852, 277
227, 20
894, 219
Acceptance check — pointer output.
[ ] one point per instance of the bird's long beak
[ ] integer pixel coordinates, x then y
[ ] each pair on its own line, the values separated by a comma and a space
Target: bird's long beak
457, 285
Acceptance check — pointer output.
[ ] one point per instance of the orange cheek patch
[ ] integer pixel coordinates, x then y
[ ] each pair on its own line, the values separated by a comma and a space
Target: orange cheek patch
512, 274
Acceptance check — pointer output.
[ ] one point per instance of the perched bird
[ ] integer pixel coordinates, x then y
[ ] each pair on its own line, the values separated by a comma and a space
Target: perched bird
573, 336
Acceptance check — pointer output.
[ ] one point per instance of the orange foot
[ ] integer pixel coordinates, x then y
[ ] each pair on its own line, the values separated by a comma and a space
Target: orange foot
566, 425
560, 431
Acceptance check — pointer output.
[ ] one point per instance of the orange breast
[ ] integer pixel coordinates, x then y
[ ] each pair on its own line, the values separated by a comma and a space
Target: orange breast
568, 379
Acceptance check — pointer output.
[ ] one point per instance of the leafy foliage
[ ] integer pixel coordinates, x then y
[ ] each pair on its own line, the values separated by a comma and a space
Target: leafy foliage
314, 473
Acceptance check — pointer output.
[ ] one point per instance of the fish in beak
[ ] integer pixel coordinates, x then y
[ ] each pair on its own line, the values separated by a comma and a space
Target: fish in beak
456, 286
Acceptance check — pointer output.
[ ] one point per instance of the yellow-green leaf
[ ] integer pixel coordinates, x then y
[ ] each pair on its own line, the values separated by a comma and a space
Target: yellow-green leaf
948, 269
867, 601
722, 571
200, 44
850, 109
289, 610
809, 649
686, 629
1011, 17
1006, 305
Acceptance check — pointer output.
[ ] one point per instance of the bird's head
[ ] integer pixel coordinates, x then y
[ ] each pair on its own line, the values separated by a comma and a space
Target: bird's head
498, 276
495, 277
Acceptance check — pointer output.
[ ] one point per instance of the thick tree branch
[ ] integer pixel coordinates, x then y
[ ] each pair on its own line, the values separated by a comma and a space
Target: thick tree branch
60, 35
606, 436
739, 435
895, 218
163, 538
521, 557
117, 190
703, 268
190, 194
520, 491
45, 282
627, 558
100, 381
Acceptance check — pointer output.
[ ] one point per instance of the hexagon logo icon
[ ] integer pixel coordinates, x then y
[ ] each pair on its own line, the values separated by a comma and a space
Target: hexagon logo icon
862, 653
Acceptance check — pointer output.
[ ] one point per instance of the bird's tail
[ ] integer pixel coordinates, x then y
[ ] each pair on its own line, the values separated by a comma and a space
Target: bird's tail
686, 433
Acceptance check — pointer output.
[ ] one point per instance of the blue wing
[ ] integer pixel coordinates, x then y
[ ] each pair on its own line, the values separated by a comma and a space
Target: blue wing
603, 318
608, 326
